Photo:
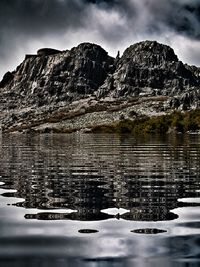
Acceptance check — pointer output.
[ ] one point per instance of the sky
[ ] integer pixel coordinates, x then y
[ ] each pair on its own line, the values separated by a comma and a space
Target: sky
28, 25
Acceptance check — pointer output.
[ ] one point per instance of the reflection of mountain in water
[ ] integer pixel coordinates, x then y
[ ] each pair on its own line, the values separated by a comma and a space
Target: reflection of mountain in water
89, 173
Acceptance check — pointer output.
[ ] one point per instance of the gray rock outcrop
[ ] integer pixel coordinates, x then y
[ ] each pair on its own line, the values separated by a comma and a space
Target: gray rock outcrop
47, 52
150, 69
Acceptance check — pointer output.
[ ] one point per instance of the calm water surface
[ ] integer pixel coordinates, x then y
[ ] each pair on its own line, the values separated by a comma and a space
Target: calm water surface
86, 200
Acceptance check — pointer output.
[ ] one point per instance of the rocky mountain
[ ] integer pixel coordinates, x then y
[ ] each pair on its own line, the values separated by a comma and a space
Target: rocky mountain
84, 87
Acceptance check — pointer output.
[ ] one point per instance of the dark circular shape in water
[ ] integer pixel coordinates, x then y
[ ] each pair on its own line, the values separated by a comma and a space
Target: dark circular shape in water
148, 231
88, 231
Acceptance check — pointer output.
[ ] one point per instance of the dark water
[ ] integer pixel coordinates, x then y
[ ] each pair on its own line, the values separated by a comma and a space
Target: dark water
85, 200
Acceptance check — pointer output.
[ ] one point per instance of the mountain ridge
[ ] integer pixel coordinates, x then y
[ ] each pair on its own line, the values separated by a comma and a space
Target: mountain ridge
85, 87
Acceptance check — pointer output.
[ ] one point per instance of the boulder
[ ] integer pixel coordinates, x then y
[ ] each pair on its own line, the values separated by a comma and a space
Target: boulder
47, 52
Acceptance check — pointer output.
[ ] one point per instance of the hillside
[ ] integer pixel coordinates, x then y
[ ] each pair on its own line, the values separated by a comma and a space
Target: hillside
84, 87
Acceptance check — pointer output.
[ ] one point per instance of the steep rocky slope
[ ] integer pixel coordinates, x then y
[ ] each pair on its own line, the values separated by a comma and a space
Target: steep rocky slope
84, 87
152, 69
52, 77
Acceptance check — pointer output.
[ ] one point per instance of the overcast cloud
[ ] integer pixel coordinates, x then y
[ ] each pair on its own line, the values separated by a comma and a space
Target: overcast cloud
27, 25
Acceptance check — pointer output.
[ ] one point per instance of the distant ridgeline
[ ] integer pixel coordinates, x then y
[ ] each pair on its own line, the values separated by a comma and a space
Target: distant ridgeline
86, 89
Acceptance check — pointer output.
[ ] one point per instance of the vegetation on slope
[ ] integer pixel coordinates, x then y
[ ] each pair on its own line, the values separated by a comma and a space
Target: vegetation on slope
174, 122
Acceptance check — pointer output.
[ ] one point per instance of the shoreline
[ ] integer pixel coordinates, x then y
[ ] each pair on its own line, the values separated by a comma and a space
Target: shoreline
176, 122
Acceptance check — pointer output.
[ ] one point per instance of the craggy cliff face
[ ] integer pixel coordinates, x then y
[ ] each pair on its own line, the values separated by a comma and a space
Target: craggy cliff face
149, 69
57, 76
54, 79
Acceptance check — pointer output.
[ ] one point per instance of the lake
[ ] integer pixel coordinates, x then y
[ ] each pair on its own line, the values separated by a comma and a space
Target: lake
100, 200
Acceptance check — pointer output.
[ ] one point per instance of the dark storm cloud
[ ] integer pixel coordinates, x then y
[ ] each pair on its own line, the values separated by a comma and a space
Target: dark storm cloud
181, 16
46, 16
184, 17
24, 24
38, 16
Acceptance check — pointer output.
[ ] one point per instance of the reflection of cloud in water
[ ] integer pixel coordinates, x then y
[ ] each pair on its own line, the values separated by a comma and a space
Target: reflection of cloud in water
190, 200
115, 211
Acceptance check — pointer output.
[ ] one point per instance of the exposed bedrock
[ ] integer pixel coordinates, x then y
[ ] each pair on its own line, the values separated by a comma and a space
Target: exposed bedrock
147, 79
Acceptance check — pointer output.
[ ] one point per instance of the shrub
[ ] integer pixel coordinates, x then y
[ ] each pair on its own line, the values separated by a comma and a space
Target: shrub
181, 122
